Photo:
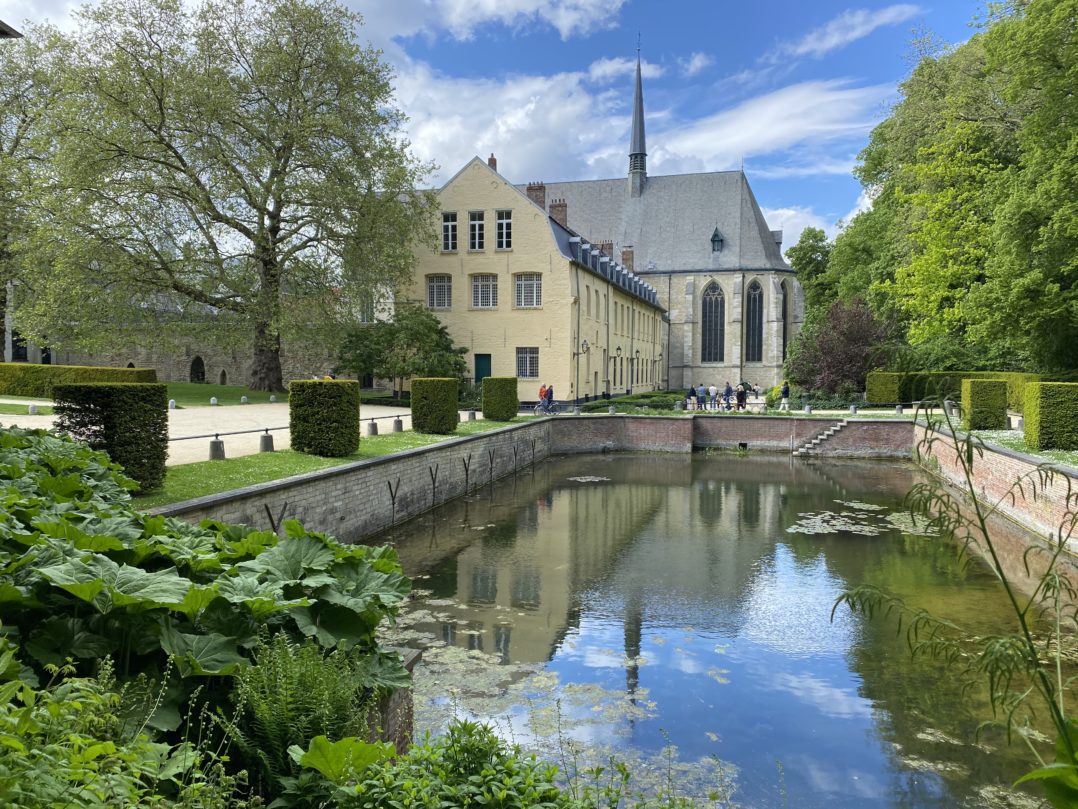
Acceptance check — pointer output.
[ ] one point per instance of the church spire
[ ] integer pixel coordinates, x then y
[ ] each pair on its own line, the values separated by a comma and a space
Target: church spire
638, 153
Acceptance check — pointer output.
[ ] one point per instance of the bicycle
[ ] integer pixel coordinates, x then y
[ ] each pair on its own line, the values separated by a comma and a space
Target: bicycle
544, 409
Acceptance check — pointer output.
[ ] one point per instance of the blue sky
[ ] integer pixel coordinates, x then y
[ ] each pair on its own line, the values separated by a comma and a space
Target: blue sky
792, 89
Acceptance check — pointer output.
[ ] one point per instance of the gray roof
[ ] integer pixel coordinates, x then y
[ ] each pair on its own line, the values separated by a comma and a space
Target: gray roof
670, 225
636, 143
7, 32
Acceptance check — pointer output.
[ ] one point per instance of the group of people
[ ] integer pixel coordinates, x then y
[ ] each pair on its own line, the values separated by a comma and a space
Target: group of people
702, 397
546, 397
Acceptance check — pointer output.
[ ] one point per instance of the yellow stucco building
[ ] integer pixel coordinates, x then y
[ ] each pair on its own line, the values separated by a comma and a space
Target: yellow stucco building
530, 298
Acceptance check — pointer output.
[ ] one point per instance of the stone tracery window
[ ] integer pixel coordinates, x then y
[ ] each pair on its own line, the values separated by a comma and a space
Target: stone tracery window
713, 324
754, 323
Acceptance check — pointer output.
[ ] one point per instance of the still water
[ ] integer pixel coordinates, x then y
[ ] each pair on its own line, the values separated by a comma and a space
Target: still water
676, 611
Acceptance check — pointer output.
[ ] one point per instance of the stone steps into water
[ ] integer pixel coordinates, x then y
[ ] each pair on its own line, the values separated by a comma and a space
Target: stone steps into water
811, 446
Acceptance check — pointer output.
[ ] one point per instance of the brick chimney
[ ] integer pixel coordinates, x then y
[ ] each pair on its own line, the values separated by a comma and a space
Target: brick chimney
607, 247
537, 194
627, 258
559, 211
492, 161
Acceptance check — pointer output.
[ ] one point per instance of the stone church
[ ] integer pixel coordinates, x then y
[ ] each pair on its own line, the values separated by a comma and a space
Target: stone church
701, 241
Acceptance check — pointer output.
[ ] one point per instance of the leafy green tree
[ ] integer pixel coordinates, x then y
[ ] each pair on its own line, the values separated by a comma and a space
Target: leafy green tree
839, 348
414, 343
238, 163
809, 258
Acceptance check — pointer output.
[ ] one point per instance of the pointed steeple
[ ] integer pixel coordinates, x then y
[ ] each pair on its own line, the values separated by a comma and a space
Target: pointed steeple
638, 153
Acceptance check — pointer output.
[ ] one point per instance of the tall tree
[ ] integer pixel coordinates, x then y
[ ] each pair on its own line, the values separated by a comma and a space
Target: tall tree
809, 258
238, 163
839, 348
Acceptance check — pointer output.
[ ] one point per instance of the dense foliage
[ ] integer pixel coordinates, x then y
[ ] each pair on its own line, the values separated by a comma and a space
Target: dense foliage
838, 348
231, 165
323, 417
24, 379
128, 421
1049, 418
971, 240
984, 404
500, 402
888, 387
414, 343
434, 406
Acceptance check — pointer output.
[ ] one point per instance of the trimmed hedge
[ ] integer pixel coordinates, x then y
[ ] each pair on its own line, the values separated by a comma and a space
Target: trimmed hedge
500, 401
1050, 415
25, 379
886, 387
127, 420
984, 404
434, 406
323, 416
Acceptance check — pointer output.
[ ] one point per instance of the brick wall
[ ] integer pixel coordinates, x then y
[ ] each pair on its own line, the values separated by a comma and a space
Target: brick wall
764, 433
1042, 506
880, 438
575, 434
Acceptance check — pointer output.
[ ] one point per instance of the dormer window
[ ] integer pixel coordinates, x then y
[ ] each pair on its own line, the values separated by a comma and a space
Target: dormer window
716, 241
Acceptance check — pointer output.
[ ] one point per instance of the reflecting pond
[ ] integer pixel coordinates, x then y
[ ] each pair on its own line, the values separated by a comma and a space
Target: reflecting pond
676, 611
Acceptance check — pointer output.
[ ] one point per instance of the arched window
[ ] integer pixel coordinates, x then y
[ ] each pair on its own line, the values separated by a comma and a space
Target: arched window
713, 325
754, 323
198, 370
223, 379
785, 318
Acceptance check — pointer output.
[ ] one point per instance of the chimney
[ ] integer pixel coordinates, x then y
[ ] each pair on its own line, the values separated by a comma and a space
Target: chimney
537, 194
607, 247
627, 258
777, 236
559, 210
492, 161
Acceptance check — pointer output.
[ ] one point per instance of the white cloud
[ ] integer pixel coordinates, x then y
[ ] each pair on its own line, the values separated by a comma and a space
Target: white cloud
696, 63
848, 27
792, 220
604, 70
864, 203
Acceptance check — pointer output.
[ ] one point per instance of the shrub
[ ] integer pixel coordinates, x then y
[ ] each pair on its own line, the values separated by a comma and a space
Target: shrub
129, 421
434, 406
23, 379
323, 416
885, 387
1050, 421
500, 402
984, 404
882, 387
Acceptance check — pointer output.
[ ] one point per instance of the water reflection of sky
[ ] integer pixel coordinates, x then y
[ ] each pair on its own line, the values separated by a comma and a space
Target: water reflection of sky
660, 609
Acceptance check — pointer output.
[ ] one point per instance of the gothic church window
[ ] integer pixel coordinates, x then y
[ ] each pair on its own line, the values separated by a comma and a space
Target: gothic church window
754, 323
713, 325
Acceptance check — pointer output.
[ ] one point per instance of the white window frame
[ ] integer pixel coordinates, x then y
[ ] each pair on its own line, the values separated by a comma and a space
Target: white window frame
484, 291
439, 291
503, 230
476, 231
528, 362
528, 288
449, 232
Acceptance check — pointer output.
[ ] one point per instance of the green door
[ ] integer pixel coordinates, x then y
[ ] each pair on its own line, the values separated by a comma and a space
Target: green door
482, 367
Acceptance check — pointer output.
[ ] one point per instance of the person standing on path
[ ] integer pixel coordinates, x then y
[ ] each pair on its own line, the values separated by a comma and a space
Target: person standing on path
701, 396
785, 394
713, 392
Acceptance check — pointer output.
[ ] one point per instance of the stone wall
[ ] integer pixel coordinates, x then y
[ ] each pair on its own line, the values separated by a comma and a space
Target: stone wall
870, 438
758, 433
1041, 506
576, 434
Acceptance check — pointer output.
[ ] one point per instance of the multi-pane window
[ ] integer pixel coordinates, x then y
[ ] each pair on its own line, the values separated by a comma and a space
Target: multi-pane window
439, 291
529, 289
449, 232
713, 324
504, 220
475, 230
754, 323
528, 363
484, 291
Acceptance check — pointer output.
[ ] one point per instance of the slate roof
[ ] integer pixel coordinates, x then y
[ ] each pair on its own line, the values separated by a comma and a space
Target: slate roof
669, 226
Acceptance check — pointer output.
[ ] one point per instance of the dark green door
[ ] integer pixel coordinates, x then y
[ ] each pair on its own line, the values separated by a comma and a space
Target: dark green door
482, 367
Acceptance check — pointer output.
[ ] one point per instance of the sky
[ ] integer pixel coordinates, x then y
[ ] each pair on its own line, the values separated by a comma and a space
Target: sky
788, 90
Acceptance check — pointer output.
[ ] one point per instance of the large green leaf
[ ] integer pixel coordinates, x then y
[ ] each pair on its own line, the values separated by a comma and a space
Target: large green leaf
61, 637
291, 560
261, 598
202, 654
106, 584
340, 761
78, 538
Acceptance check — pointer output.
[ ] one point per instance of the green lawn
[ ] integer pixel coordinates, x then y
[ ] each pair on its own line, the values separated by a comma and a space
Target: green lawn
1014, 439
195, 394
22, 410
187, 481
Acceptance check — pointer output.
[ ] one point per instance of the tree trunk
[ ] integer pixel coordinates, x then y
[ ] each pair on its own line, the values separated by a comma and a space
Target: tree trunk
266, 367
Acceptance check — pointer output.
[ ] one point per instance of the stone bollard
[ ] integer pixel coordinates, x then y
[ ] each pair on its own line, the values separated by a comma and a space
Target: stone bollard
853, 409
398, 426
171, 404
217, 449
576, 410
243, 400
265, 442
273, 398
372, 428
898, 410
679, 405
808, 410
31, 410
213, 400
612, 410
471, 415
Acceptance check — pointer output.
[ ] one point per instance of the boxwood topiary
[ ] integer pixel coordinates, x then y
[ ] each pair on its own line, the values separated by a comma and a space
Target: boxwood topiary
434, 406
882, 387
127, 420
500, 402
323, 416
24, 379
1049, 415
984, 404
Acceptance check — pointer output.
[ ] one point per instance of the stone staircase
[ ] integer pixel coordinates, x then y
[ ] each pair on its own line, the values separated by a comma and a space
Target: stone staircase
811, 446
